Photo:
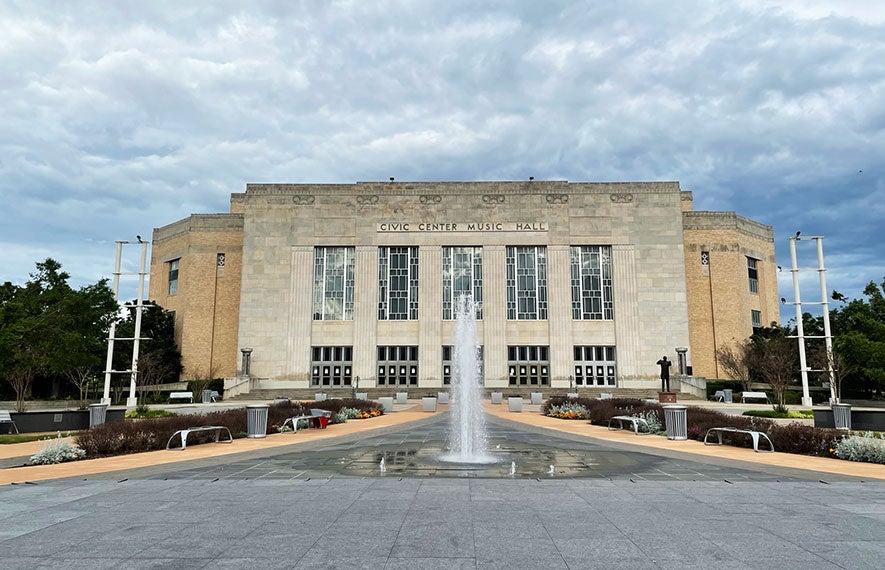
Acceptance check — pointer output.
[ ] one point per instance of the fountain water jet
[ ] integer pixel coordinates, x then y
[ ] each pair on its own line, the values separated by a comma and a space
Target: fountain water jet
467, 440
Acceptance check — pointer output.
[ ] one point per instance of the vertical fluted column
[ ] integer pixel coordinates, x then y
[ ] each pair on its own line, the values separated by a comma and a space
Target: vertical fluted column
300, 314
559, 314
430, 315
494, 315
365, 315
626, 311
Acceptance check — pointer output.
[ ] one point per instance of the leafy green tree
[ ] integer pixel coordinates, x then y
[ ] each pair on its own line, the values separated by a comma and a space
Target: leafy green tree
47, 328
859, 338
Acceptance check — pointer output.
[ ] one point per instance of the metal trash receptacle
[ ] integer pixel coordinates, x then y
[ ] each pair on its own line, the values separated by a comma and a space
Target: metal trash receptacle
727, 396
97, 414
256, 420
207, 396
676, 421
842, 416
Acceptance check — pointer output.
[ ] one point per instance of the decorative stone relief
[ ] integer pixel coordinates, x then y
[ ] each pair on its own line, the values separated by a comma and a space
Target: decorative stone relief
493, 199
366, 200
303, 200
622, 198
430, 199
557, 198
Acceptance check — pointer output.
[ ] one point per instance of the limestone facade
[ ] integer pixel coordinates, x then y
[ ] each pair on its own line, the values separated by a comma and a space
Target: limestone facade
263, 296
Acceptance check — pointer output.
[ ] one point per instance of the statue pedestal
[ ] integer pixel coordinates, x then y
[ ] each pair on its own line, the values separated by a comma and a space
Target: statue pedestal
667, 397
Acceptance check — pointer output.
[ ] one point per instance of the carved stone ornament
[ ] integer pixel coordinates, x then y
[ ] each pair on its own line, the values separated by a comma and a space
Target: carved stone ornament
493, 199
622, 198
303, 200
430, 199
557, 198
365, 200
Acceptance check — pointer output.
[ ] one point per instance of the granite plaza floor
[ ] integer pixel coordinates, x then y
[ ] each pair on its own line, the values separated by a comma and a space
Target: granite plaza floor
327, 504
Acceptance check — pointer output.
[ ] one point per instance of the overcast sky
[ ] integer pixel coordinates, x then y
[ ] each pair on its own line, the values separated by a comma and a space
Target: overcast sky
118, 117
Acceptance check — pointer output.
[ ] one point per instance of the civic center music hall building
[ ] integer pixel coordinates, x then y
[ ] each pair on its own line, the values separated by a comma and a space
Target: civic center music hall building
584, 284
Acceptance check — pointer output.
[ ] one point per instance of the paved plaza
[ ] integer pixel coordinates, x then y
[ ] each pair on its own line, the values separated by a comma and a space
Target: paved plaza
328, 504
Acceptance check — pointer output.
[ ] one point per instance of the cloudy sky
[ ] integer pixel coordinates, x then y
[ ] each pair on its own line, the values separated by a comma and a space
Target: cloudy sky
118, 117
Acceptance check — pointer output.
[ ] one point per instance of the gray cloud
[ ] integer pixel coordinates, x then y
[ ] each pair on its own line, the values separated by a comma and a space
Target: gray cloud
123, 116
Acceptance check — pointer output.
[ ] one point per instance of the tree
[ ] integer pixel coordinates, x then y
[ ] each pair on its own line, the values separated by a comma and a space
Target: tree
47, 328
859, 337
778, 366
159, 360
737, 361
822, 359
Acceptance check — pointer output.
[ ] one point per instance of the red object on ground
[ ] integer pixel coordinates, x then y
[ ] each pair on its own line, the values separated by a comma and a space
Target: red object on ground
320, 422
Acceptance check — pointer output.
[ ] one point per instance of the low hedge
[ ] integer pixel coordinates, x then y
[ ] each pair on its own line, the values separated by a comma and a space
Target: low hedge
137, 436
791, 438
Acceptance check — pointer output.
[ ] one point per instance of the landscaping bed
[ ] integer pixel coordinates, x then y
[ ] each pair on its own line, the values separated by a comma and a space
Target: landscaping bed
151, 434
791, 438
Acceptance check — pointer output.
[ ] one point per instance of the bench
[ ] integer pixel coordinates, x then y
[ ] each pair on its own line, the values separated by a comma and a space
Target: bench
754, 396
719, 396
631, 419
181, 396
6, 418
186, 432
755, 435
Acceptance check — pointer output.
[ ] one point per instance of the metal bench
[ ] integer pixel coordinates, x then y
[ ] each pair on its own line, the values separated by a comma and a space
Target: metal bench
313, 421
186, 432
6, 418
636, 422
181, 396
754, 396
755, 435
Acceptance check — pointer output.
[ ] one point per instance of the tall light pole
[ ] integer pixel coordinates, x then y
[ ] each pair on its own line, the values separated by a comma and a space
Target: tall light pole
800, 330
131, 401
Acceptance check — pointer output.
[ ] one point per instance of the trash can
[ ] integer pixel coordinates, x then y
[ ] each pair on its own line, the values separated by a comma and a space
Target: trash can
97, 414
207, 396
256, 420
727, 396
675, 419
842, 416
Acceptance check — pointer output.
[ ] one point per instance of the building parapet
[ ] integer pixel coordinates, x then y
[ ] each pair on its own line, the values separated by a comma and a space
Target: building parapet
200, 222
693, 220
457, 188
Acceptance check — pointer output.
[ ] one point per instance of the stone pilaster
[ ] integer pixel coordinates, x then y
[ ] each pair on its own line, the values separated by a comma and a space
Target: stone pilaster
559, 314
626, 311
300, 314
365, 315
494, 315
430, 315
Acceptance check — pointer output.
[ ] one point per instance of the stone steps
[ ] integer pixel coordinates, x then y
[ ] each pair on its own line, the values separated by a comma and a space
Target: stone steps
415, 393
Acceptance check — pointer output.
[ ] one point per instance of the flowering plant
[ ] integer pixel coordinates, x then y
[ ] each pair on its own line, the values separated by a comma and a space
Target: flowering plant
569, 411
